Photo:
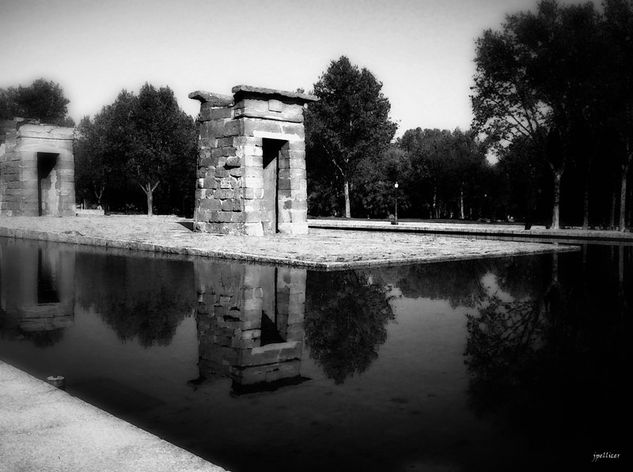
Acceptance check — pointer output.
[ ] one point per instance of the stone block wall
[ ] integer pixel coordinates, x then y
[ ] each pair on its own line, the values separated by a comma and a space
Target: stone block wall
37, 170
251, 165
250, 322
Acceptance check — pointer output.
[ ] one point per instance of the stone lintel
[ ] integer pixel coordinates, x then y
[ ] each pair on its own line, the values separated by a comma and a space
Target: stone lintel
212, 98
285, 96
244, 113
46, 132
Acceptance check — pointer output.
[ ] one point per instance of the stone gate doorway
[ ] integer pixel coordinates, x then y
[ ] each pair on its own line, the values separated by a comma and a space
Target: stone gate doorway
46, 183
274, 151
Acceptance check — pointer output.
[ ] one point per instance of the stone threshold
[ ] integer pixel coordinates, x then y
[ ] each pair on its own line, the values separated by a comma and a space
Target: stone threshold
46, 429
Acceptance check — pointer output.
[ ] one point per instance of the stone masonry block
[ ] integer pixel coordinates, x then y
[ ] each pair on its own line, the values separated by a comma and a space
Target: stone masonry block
252, 193
210, 183
252, 160
225, 193
298, 145
232, 128
210, 204
226, 142
230, 204
232, 161
221, 172
252, 216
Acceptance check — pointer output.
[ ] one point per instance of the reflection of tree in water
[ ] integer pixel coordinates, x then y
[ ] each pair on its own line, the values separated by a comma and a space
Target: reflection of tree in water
140, 297
345, 322
152, 319
502, 340
552, 366
461, 282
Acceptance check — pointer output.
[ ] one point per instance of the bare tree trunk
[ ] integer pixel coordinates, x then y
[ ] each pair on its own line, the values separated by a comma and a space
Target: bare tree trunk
348, 213
150, 203
622, 223
461, 203
434, 205
612, 215
99, 194
585, 209
556, 205
149, 193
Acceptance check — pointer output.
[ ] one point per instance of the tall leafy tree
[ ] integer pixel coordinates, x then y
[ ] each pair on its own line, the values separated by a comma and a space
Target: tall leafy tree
446, 171
377, 177
145, 141
618, 31
43, 100
349, 123
535, 80
164, 137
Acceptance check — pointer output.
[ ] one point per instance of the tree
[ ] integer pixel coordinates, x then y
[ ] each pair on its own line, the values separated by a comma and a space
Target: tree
43, 100
377, 176
101, 151
345, 320
446, 171
535, 80
349, 123
618, 28
144, 141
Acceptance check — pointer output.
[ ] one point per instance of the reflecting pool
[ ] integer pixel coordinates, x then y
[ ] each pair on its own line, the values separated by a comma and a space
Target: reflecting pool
509, 363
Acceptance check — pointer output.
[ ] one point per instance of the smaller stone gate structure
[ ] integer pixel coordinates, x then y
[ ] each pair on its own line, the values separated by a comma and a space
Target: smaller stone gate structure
37, 169
251, 163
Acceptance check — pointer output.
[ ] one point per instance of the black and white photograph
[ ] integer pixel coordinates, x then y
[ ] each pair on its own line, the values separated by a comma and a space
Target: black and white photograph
316, 235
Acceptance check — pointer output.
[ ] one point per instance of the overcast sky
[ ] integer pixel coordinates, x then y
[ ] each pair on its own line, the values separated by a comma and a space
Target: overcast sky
421, 50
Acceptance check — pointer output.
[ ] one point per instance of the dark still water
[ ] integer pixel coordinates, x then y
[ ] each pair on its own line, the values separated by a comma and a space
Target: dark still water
516, 363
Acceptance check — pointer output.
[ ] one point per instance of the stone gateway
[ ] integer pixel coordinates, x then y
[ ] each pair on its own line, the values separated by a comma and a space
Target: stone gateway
37, 170
251, 162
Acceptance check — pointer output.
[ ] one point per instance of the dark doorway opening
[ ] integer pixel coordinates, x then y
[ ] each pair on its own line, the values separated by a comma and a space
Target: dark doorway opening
46, 162
271, 156
271, 332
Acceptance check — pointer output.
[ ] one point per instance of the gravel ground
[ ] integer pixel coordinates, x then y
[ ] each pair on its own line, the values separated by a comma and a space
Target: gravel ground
321, 248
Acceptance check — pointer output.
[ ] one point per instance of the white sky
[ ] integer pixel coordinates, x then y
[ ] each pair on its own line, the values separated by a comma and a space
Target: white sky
421, 50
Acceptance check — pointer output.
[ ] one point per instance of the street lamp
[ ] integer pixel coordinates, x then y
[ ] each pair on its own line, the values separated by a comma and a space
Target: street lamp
395, 222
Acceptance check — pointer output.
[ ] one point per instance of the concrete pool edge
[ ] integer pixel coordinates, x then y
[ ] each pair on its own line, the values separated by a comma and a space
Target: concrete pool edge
43, 428
473, 229
72, 237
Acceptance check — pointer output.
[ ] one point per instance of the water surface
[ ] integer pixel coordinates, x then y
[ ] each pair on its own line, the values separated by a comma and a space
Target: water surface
487, 364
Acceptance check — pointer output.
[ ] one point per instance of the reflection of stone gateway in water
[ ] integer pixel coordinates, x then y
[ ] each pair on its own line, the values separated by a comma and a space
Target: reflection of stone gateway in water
41, 298
250, 323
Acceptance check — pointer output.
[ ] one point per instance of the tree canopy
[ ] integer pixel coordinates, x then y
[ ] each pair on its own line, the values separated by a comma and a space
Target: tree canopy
556, 82
43, 100
142, 141
349, 124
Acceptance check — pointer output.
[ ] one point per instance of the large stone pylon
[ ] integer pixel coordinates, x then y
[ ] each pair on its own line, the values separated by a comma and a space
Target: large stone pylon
251, 162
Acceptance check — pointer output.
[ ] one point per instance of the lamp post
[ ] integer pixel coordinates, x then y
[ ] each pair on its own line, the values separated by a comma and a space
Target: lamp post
396, 209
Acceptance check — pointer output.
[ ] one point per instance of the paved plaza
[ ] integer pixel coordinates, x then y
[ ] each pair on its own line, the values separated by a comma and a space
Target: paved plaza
328, 249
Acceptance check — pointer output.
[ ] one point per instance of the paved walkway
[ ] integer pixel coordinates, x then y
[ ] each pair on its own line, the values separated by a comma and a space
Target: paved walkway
472, 229
44, 429
321, 249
